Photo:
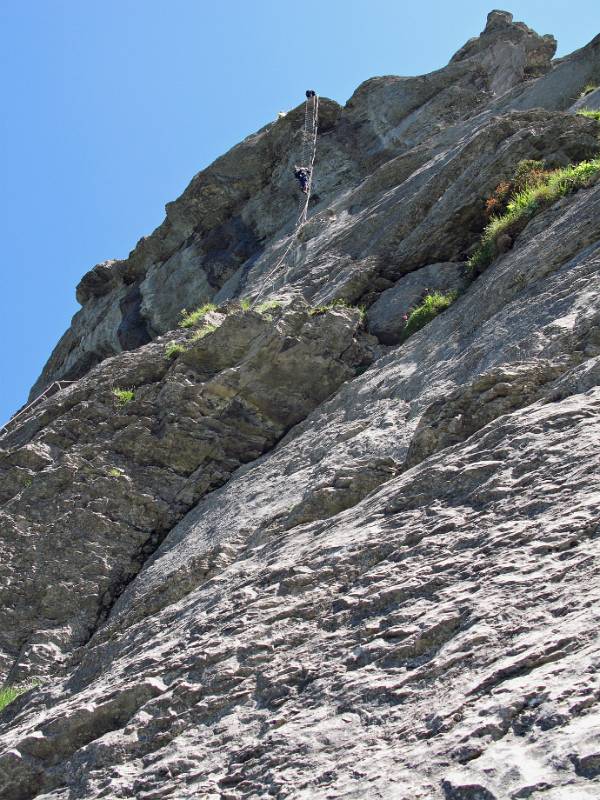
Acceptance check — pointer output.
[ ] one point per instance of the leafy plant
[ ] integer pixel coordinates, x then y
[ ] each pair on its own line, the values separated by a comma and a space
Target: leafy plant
123, 396
588, 112
246, 303
540, 188
191, 318
115, 472
204, 331
174, 349
429, 307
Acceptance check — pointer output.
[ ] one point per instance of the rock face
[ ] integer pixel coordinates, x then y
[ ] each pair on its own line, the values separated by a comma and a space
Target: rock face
298, 560
388, 312
116, 477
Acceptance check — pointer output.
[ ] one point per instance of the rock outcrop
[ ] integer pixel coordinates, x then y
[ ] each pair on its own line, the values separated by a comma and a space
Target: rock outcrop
280, 555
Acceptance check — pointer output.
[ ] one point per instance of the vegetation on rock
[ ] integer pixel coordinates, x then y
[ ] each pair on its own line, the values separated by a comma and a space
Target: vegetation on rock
123, 396
10, 693
268, 305
340, 303
533, 189
431, 305
590, 113
190, 319
174, 349
204, 331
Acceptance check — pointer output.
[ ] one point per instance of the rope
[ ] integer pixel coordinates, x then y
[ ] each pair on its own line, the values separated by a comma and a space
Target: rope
308, 137
311, 165
305, 137
50, 391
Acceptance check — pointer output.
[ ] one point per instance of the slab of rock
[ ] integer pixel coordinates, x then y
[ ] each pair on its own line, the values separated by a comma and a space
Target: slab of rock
87, 474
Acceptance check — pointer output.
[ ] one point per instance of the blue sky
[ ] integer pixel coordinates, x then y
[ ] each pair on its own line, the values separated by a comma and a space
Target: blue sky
111, 106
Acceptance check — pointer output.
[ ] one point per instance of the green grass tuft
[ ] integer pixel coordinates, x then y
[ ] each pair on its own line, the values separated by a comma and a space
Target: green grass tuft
527, 202
174, 349
123, 396
431, 305
588, 89
588, 112
191, 318
246, 303
115, 472
268, 305
340, 303
10, 693
204, 331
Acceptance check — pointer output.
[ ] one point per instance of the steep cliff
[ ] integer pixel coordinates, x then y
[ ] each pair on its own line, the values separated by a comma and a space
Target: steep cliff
288, 550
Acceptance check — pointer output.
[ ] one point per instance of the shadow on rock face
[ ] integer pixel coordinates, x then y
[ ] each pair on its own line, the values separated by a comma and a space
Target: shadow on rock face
132, 331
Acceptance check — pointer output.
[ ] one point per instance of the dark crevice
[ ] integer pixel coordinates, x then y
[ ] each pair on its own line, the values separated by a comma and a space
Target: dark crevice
132, 331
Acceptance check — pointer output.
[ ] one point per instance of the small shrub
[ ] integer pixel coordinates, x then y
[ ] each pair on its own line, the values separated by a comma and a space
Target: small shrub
204, 331
246, 303
123, 396
174, 349
588, 89
588, 112
496, 203
115, 472
431, 305
539, 188
191, 318
528, 173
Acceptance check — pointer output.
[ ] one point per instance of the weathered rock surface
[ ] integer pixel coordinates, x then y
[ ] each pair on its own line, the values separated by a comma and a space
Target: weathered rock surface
590, 100
387, 314
299, 563
115, 478
440, 147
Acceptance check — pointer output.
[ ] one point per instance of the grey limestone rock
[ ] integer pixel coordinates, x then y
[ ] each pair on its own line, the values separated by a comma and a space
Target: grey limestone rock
297, 562
588, 100
407, 160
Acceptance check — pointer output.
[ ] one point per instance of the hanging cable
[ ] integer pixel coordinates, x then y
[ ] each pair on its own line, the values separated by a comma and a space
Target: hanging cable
309, 154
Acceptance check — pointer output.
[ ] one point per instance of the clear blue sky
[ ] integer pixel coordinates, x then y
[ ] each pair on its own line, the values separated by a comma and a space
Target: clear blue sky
111, 106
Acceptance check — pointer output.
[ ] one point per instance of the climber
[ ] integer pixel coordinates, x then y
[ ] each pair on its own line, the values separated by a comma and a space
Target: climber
303, 176
310, 93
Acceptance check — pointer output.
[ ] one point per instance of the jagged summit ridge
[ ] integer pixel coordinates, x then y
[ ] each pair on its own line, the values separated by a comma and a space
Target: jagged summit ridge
287, 551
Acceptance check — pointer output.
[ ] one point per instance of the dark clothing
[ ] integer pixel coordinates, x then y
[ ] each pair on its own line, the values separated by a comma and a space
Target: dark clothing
310, 93
303, 176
